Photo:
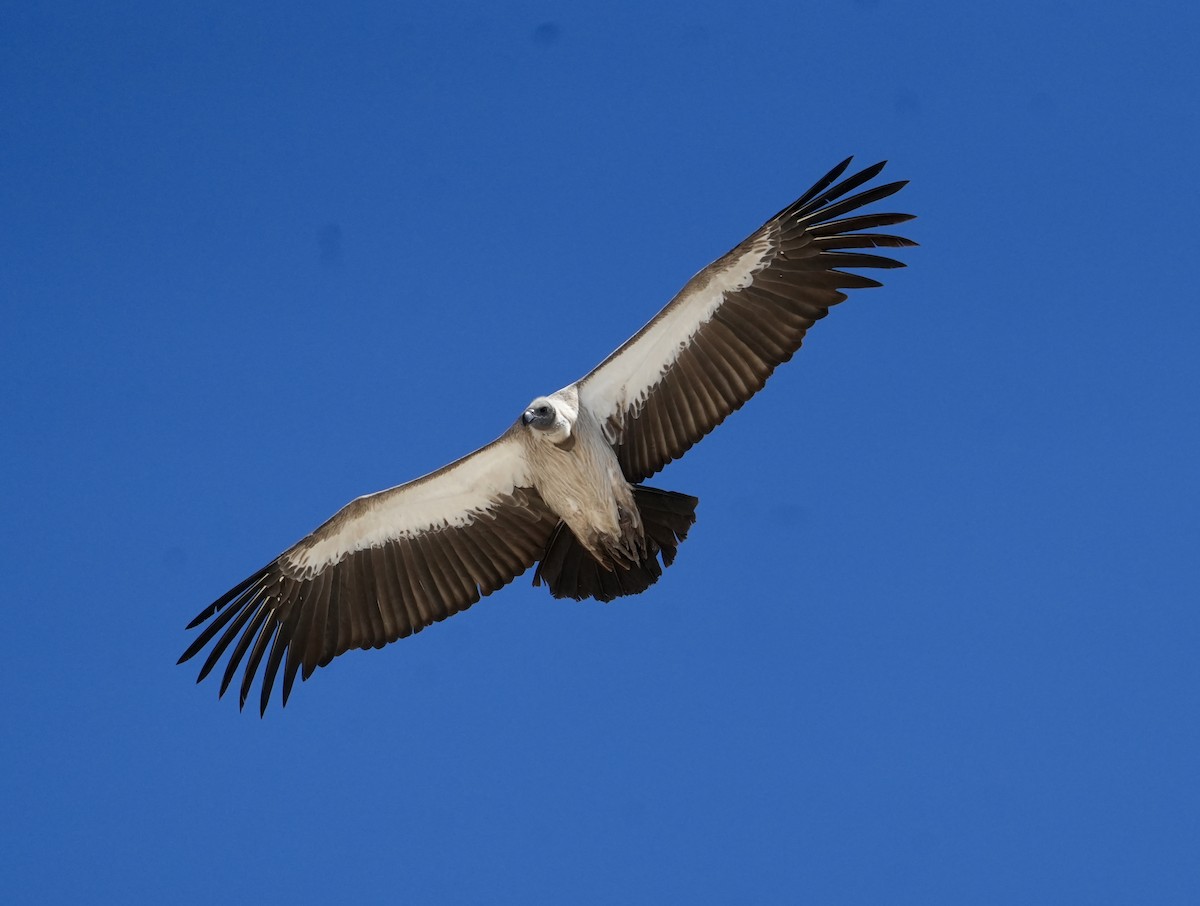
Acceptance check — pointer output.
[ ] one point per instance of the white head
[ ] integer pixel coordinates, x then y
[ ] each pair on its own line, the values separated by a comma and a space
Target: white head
551, 418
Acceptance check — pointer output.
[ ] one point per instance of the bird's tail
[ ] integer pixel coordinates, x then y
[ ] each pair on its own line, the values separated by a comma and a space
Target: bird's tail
571, 572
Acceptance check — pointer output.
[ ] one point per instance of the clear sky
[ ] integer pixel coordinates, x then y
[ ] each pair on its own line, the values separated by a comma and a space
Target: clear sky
935, 637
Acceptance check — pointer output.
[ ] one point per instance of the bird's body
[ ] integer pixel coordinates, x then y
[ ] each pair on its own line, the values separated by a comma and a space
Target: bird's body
561, 488
578, 476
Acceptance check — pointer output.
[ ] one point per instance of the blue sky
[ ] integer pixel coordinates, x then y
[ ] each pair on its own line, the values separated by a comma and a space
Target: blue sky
934, 637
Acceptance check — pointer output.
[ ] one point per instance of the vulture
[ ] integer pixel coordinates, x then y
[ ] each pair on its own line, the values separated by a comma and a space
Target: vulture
562, 487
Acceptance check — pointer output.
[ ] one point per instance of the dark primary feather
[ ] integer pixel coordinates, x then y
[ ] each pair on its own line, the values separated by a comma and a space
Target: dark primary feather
368, 599
759, 327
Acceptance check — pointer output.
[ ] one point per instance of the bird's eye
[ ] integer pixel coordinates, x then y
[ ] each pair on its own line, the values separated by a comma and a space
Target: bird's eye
543, 411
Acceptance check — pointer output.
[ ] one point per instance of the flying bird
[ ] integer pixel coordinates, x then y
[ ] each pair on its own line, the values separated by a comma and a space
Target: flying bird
562, 487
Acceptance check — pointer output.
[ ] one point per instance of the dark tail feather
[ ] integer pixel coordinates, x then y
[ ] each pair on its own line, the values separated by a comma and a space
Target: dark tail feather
666, 517
571, 572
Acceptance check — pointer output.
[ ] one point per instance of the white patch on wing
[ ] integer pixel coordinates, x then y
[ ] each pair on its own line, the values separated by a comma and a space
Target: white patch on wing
452, 496
624, 380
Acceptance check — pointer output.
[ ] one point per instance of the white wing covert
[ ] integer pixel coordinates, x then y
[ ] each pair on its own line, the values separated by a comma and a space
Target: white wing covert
385, 566
721, 337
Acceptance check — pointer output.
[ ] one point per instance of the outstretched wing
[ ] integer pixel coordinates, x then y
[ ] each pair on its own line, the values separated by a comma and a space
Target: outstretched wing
717, 342
385, 566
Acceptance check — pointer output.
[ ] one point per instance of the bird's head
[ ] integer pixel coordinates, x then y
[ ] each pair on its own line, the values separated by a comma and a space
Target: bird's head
549, 419
541, 414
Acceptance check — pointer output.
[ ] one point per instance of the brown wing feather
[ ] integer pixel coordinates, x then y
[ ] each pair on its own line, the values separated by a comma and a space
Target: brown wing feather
655, 411
372, 597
